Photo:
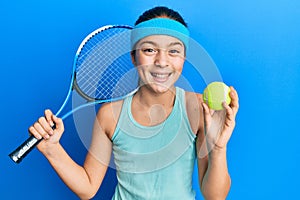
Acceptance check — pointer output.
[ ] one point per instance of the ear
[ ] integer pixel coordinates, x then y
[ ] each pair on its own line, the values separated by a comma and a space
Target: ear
132, 55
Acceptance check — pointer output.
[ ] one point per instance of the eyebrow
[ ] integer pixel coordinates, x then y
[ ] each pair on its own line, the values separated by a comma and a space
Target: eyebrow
155, 44
148, 42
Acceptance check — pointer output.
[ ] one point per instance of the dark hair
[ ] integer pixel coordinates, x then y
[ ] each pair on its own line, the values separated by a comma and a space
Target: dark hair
160, 11
157, 12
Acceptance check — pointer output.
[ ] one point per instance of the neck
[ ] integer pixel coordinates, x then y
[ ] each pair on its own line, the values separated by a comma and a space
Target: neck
149, 98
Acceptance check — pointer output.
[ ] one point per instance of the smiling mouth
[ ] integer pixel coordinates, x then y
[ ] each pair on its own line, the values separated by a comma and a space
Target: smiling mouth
160, 77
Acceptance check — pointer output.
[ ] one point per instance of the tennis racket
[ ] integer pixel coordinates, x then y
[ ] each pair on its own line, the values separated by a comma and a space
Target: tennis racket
102, 72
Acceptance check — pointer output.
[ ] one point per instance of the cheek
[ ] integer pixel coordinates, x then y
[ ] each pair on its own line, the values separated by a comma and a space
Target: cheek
138, 59
179, 65
144, 60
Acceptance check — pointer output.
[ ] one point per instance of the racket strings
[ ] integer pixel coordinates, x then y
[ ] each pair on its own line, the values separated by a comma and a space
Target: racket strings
103, 68
103, 60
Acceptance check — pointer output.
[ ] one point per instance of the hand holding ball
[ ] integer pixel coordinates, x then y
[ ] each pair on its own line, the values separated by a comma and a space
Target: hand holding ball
215, 94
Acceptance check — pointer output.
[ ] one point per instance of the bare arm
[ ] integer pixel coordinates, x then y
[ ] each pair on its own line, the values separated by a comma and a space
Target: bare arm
212, 162
215, 178
82, 180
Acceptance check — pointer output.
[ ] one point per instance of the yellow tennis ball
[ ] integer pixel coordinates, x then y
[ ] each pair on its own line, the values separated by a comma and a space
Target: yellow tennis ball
216, 93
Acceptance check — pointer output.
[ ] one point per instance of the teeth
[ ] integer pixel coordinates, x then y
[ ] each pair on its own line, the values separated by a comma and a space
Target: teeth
160, 75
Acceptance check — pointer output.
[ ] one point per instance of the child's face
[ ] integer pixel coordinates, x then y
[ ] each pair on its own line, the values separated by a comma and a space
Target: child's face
160, 60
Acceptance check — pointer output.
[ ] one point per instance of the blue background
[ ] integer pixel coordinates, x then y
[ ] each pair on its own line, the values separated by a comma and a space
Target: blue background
255, 44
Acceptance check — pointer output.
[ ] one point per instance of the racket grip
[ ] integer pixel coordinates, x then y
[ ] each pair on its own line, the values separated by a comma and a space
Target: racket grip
21, 152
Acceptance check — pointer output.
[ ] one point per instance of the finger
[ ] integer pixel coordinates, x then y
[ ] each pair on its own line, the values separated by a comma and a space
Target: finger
208, 109
40, 130
205, 109
45, 125
233, 95
234, 99
211, 112
58, 123
207, 116
34, 132
48, 115
229, 111
205, 112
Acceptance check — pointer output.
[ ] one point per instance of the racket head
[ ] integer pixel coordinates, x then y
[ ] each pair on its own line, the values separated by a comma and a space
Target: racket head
103, 69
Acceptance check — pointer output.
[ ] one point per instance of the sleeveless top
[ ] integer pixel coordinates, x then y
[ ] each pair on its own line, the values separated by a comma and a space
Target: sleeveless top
154, 162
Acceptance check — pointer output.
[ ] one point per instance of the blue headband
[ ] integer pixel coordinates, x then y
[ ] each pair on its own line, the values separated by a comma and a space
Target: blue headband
160, 26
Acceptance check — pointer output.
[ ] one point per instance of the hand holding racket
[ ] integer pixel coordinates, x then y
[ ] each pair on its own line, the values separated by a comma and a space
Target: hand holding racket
45, 128
102, 72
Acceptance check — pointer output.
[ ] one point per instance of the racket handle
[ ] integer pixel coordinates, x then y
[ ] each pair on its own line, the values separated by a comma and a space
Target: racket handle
21, 152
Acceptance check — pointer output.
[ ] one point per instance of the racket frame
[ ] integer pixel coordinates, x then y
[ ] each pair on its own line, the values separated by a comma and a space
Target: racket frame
28, 145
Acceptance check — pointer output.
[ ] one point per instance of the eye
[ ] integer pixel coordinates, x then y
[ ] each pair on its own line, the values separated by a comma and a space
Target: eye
174, 52
149, 51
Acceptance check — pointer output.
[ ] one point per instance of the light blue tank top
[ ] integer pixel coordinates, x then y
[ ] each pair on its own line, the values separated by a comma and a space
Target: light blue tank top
156, 162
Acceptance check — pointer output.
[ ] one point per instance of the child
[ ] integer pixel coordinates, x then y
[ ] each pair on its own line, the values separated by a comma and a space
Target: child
153, 133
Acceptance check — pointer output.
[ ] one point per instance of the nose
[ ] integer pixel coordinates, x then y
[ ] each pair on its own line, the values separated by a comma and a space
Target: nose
161, 58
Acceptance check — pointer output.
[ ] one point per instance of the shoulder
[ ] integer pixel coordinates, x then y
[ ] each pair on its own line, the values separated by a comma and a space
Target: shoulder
193, 98
108, 115
193, 102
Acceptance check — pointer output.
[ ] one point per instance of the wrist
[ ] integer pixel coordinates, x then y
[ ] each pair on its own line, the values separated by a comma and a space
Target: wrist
50, 150
218, 151
218, 159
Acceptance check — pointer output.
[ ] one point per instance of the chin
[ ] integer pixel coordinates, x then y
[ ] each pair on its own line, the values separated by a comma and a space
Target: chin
160, 88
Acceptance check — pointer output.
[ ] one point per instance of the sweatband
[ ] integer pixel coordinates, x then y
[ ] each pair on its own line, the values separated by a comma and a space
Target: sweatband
160, 26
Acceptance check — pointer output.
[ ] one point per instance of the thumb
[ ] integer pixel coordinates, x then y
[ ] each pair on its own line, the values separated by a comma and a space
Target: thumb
59, 125
207, 114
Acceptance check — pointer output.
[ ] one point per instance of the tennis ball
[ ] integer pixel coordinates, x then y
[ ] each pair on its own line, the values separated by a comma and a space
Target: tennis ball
215, 93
